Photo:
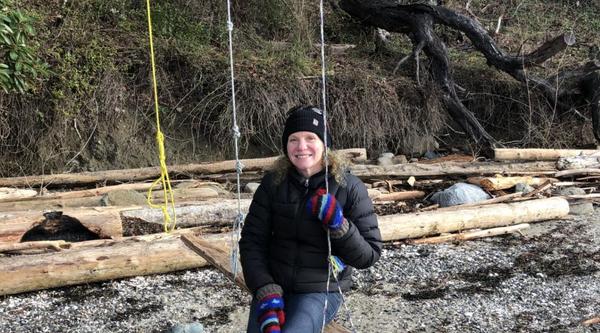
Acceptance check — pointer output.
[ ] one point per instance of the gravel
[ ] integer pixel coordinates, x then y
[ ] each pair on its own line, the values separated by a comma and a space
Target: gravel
546, 280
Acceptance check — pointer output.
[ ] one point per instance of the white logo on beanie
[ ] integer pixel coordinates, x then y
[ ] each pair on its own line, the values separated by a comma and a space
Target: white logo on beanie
315, 122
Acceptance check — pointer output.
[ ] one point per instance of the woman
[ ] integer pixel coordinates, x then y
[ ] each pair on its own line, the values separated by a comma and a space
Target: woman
283, 247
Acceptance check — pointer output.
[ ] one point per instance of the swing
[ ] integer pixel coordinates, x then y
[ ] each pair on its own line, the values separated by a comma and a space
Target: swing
333, 264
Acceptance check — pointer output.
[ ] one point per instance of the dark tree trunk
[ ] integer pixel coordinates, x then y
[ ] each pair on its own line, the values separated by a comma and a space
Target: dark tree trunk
418, 22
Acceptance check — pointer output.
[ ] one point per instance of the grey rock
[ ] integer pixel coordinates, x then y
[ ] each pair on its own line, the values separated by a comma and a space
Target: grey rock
577, 207
571, 191
581, 208
385, 159
523, 187
458, 194
400, 159
251, 187
430, 155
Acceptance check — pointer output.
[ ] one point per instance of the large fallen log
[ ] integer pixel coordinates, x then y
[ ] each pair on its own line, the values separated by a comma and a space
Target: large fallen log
100, 260
92, 263
128, 175
415, 225
99, 191
454, 169
221, 212
107, 222
538, 154
43, 203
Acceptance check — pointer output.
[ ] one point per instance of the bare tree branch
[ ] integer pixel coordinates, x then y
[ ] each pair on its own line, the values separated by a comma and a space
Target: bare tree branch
419, 20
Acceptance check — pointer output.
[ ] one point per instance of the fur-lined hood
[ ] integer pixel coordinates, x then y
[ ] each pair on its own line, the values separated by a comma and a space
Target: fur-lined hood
338, 165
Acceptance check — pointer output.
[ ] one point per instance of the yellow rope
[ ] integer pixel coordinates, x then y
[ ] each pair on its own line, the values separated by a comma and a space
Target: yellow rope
169, 224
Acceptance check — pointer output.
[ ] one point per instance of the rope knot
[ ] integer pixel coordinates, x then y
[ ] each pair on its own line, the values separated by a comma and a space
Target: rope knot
239, 221
239, 166
236, 131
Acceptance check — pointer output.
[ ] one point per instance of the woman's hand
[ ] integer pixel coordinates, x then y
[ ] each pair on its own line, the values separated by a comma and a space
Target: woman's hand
325, 207
270, 309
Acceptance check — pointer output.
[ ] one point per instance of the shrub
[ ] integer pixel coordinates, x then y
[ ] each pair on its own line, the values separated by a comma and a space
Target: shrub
20, 66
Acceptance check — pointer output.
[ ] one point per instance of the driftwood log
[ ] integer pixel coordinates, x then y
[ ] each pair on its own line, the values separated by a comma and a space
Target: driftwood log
128, 175
540, 154
415, 225
399, 196
7, 193
503, 183
44, 203
95, 261
107, 222
454, 169
579, 162
100, 260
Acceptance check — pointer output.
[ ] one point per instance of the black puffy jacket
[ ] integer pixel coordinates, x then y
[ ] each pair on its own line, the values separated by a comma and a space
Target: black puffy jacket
281, 243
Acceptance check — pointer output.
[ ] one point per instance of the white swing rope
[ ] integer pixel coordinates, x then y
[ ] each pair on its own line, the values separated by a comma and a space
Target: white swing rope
324, 108
238, 222
239, 219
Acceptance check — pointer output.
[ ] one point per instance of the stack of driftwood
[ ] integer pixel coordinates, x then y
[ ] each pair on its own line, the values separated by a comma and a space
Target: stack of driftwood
95, 233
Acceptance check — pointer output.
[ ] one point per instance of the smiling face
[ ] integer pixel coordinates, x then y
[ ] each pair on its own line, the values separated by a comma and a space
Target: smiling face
305, 151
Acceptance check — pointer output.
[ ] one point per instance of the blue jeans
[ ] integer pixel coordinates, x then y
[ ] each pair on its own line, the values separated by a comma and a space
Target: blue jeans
303, 312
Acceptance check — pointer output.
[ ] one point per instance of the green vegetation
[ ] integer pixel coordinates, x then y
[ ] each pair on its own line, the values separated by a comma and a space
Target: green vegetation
21, 67
88, 102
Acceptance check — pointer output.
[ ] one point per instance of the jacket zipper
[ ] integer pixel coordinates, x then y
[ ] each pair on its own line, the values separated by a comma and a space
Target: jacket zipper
298, 221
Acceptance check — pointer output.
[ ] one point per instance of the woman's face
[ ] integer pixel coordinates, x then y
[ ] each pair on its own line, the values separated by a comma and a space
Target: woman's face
305, 151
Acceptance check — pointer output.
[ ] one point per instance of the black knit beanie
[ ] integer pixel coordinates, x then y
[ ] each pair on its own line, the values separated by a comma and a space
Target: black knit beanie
304, 118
